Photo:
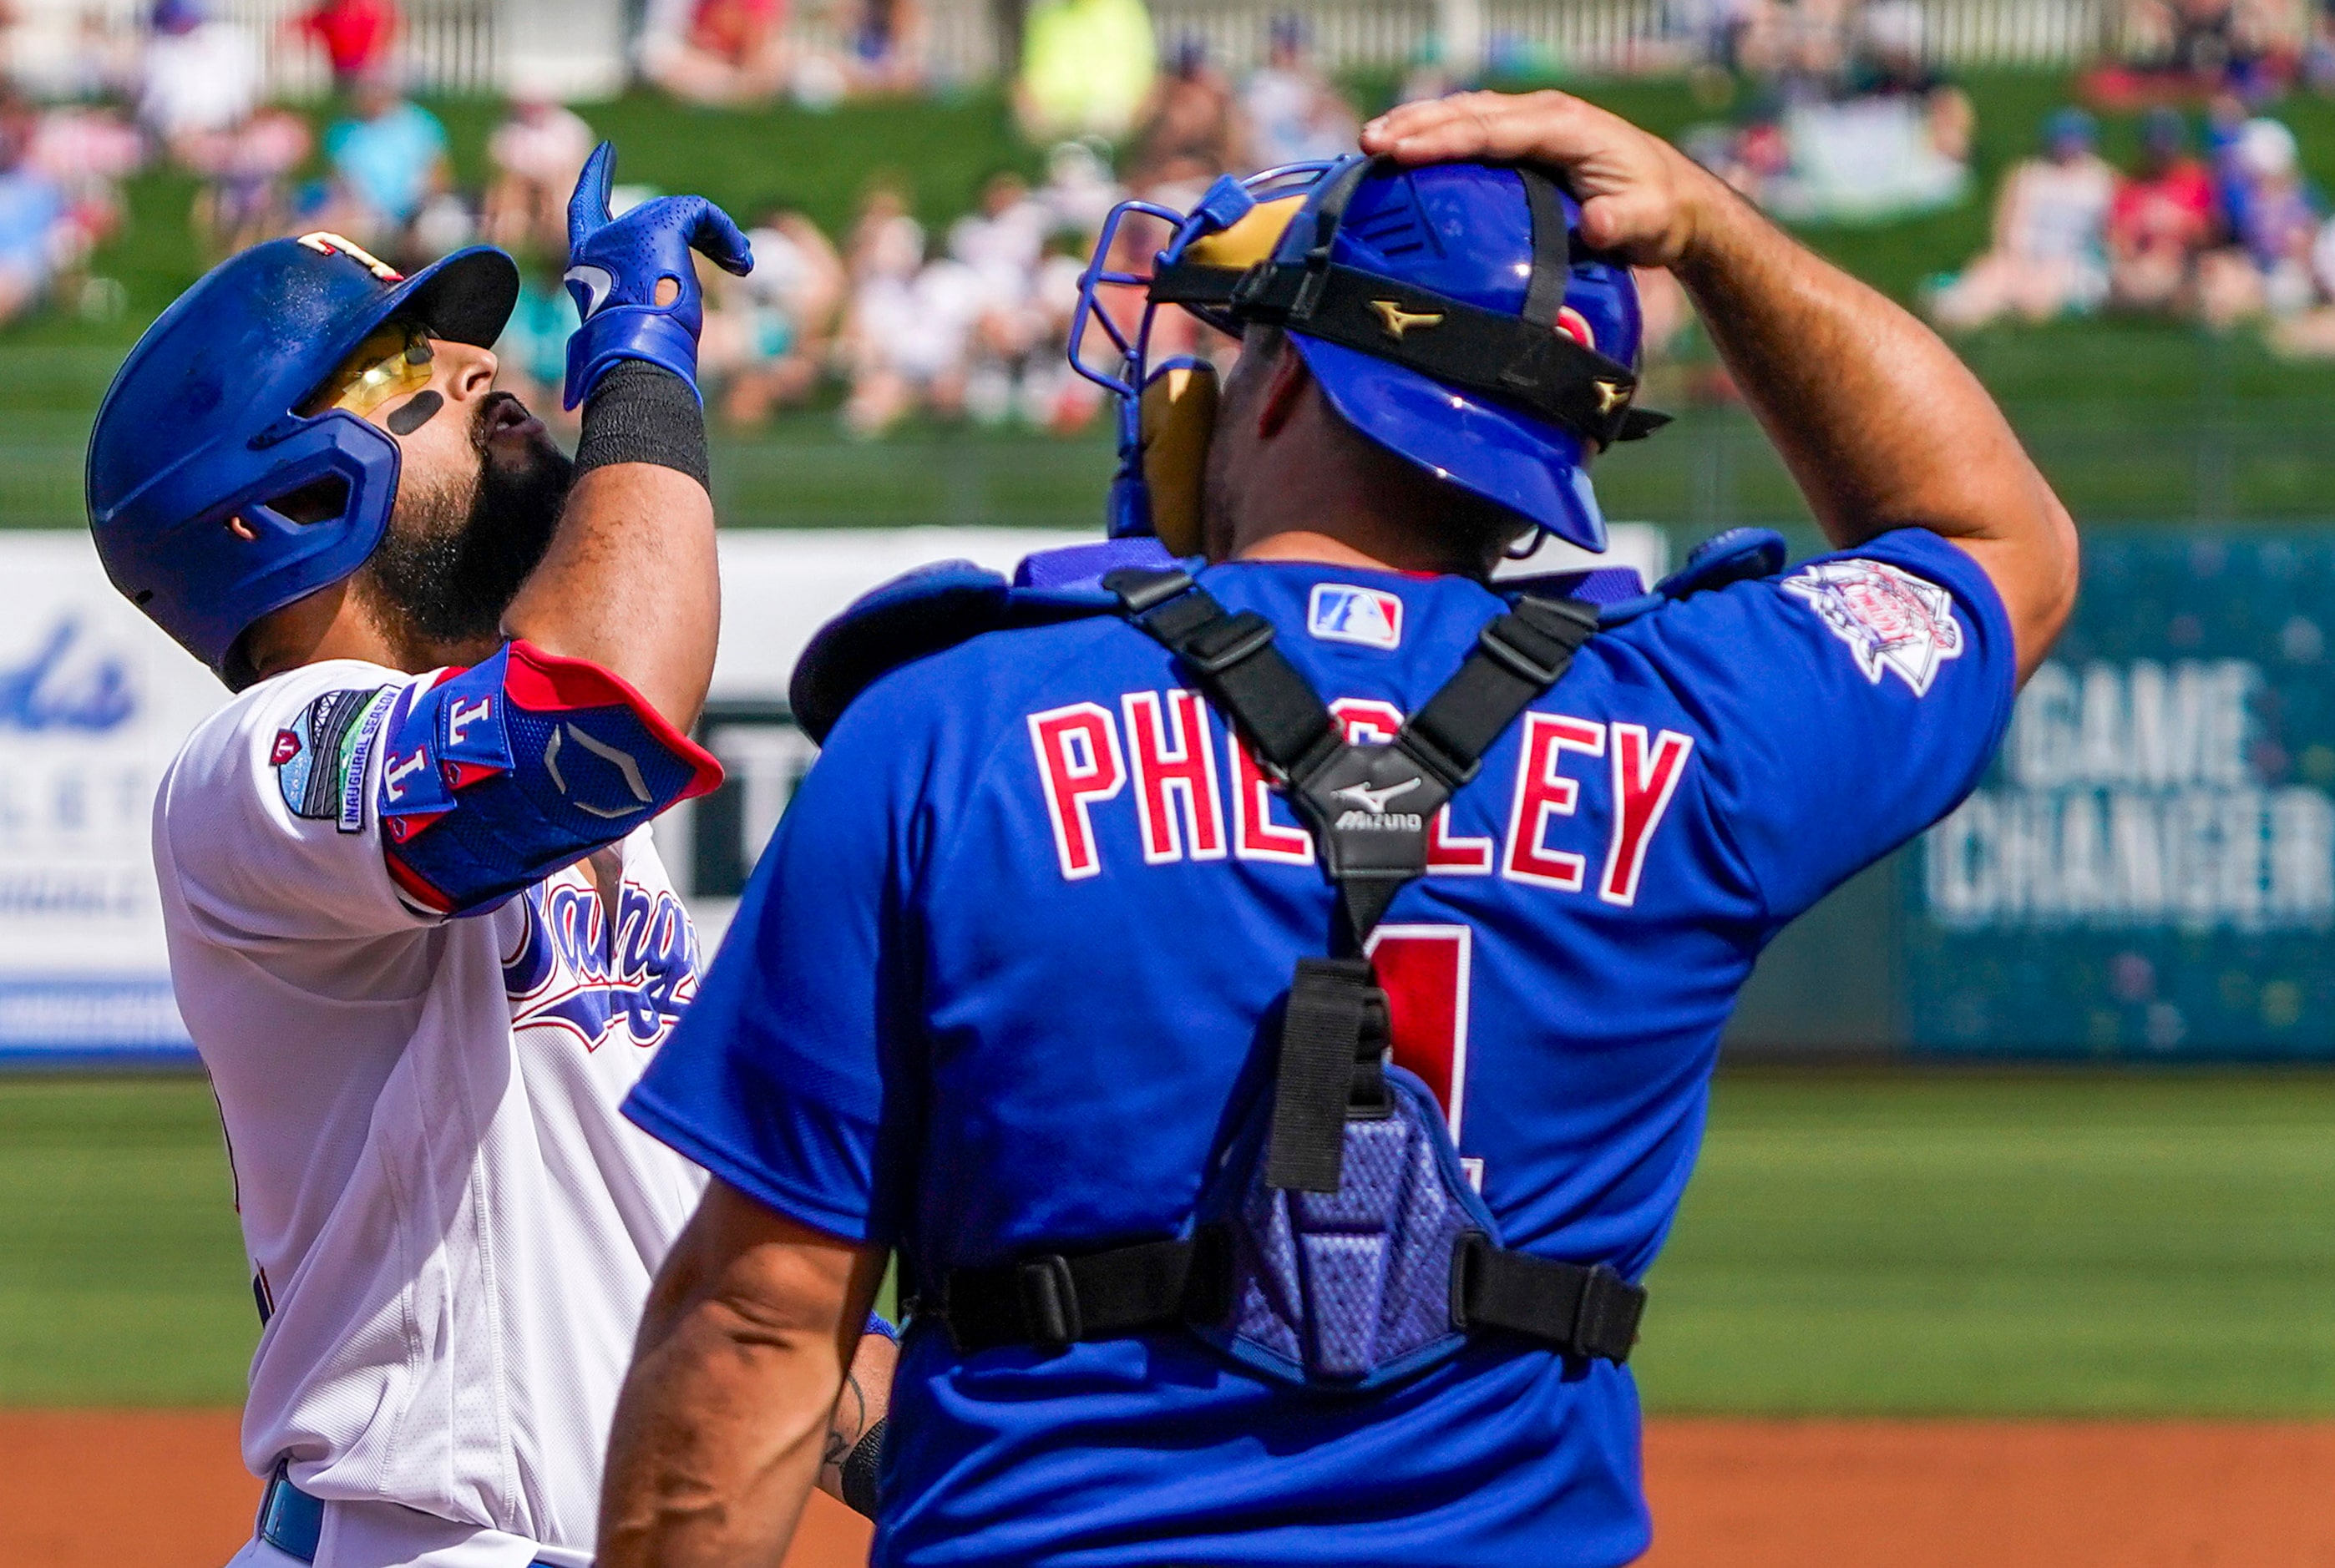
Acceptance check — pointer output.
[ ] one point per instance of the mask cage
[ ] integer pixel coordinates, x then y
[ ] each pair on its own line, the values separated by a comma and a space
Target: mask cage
1224, 204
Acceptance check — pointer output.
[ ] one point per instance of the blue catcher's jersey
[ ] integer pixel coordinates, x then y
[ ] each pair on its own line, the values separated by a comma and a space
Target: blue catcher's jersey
997, 989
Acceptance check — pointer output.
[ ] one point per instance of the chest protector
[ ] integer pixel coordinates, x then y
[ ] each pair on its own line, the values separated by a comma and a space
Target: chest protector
1337, 1244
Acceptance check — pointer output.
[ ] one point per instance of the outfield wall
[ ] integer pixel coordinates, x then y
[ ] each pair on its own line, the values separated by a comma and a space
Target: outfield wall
2148, 871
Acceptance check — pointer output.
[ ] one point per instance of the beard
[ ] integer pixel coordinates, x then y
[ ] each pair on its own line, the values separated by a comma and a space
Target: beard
459, 545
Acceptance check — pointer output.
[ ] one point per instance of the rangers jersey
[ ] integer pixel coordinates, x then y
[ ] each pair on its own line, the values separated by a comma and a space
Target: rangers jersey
451, 1229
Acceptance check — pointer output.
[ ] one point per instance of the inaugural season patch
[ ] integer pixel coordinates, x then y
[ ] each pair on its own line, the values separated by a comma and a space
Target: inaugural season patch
1889, 619
320, 758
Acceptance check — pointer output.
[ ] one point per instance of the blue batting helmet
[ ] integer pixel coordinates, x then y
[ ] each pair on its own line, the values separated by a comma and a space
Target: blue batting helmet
202, 425
1449, 312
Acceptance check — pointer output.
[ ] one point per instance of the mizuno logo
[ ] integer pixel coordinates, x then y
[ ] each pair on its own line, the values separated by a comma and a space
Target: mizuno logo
1373, 800
1400, 320
1380, 821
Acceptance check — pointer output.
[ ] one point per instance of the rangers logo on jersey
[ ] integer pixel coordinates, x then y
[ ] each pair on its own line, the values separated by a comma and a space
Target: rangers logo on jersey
1342, 613
1891, 619
569, 970
320, 757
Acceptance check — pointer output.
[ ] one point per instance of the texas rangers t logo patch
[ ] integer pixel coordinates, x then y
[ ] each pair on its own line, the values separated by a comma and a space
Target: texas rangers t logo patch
1342, 613
1891, 619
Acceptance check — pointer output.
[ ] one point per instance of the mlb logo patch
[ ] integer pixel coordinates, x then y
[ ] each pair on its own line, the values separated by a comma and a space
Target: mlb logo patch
1893, 621
1343, 612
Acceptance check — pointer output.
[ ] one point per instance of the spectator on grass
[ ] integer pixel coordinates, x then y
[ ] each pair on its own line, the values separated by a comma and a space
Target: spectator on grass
906, 330
2048, 256
537, 152
1892, 62
1294, 115
388, 158
772, 331
886, 50
2161, 220
356, 36
2274, 220
720, 52
1079, 192
244, 197
199, 79
1000, 246
1087, 69
39, 238
1190, 129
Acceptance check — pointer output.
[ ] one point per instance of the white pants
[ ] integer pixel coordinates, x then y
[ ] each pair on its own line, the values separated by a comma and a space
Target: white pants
385, 1536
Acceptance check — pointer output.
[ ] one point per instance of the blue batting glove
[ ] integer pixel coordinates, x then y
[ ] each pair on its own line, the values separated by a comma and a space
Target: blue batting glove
614, 266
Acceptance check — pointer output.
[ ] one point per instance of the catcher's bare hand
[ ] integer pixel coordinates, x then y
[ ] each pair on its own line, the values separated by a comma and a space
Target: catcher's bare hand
1640, 197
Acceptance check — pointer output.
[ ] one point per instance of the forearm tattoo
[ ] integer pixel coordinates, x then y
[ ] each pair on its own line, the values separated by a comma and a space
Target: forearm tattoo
850, 1421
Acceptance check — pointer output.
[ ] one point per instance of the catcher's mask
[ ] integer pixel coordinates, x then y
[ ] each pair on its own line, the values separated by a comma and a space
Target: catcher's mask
1448, 313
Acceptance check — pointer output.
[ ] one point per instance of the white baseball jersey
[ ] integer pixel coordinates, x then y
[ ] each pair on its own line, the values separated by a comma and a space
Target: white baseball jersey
451, 1230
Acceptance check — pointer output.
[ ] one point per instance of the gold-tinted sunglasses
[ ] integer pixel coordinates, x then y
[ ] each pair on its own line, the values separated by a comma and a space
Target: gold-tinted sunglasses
394, 361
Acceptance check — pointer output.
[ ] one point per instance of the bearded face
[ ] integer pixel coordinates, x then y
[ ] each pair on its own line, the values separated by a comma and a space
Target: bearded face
464, 536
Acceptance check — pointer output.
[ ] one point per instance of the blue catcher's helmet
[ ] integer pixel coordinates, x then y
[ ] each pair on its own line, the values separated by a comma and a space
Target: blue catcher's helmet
1448, 312
201, 426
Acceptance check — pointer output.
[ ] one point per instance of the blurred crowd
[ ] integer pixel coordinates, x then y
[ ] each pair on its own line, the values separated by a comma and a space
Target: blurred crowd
887, 320
1827, 111
2223, 228
1839, 113
972, 323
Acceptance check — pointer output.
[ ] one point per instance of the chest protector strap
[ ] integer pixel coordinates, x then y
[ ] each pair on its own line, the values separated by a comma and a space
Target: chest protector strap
1371, 808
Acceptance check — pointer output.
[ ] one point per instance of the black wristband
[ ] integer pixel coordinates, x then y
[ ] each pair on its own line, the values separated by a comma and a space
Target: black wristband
860, 1467
643, 413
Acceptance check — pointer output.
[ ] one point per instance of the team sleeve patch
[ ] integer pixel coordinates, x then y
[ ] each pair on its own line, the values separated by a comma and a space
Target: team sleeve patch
499, 775
1889, 619
320, 758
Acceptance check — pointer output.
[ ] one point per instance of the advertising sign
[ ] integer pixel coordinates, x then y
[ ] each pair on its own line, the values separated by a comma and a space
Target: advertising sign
93, 702
2150, 867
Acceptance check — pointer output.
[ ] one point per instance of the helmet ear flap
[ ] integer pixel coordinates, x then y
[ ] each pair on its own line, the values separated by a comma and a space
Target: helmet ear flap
1175, 421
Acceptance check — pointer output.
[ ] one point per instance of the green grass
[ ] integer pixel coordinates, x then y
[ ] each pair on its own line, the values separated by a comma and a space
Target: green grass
1902, 1244
121, 1276
2064, 1244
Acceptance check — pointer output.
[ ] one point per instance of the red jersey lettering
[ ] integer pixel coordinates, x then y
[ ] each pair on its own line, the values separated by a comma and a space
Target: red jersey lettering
1175, 795
1644, 778
1079, 763
1543, 791
1255, 835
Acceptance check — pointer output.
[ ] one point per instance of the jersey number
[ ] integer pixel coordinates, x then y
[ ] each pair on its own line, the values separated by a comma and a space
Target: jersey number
1424, 971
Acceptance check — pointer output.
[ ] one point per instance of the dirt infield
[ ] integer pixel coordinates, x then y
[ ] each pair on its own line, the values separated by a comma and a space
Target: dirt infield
165, 1489
153, 1489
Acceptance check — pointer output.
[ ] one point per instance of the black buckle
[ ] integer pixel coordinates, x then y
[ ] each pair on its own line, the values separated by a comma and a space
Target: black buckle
1050, 1301
1605, 1307
1534, 665
1228, 642
1428, 753
1139, 588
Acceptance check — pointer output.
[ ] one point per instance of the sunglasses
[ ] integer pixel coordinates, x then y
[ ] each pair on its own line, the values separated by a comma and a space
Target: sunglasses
394, 361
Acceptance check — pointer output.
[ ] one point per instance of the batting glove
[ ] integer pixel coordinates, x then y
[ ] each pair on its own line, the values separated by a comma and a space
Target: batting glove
616, 265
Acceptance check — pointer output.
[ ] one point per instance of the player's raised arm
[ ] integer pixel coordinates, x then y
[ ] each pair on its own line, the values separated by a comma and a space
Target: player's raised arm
629, 581
1882, 426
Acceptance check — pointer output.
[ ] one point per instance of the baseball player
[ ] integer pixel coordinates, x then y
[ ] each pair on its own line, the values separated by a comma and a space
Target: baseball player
1267, 994
417, 926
